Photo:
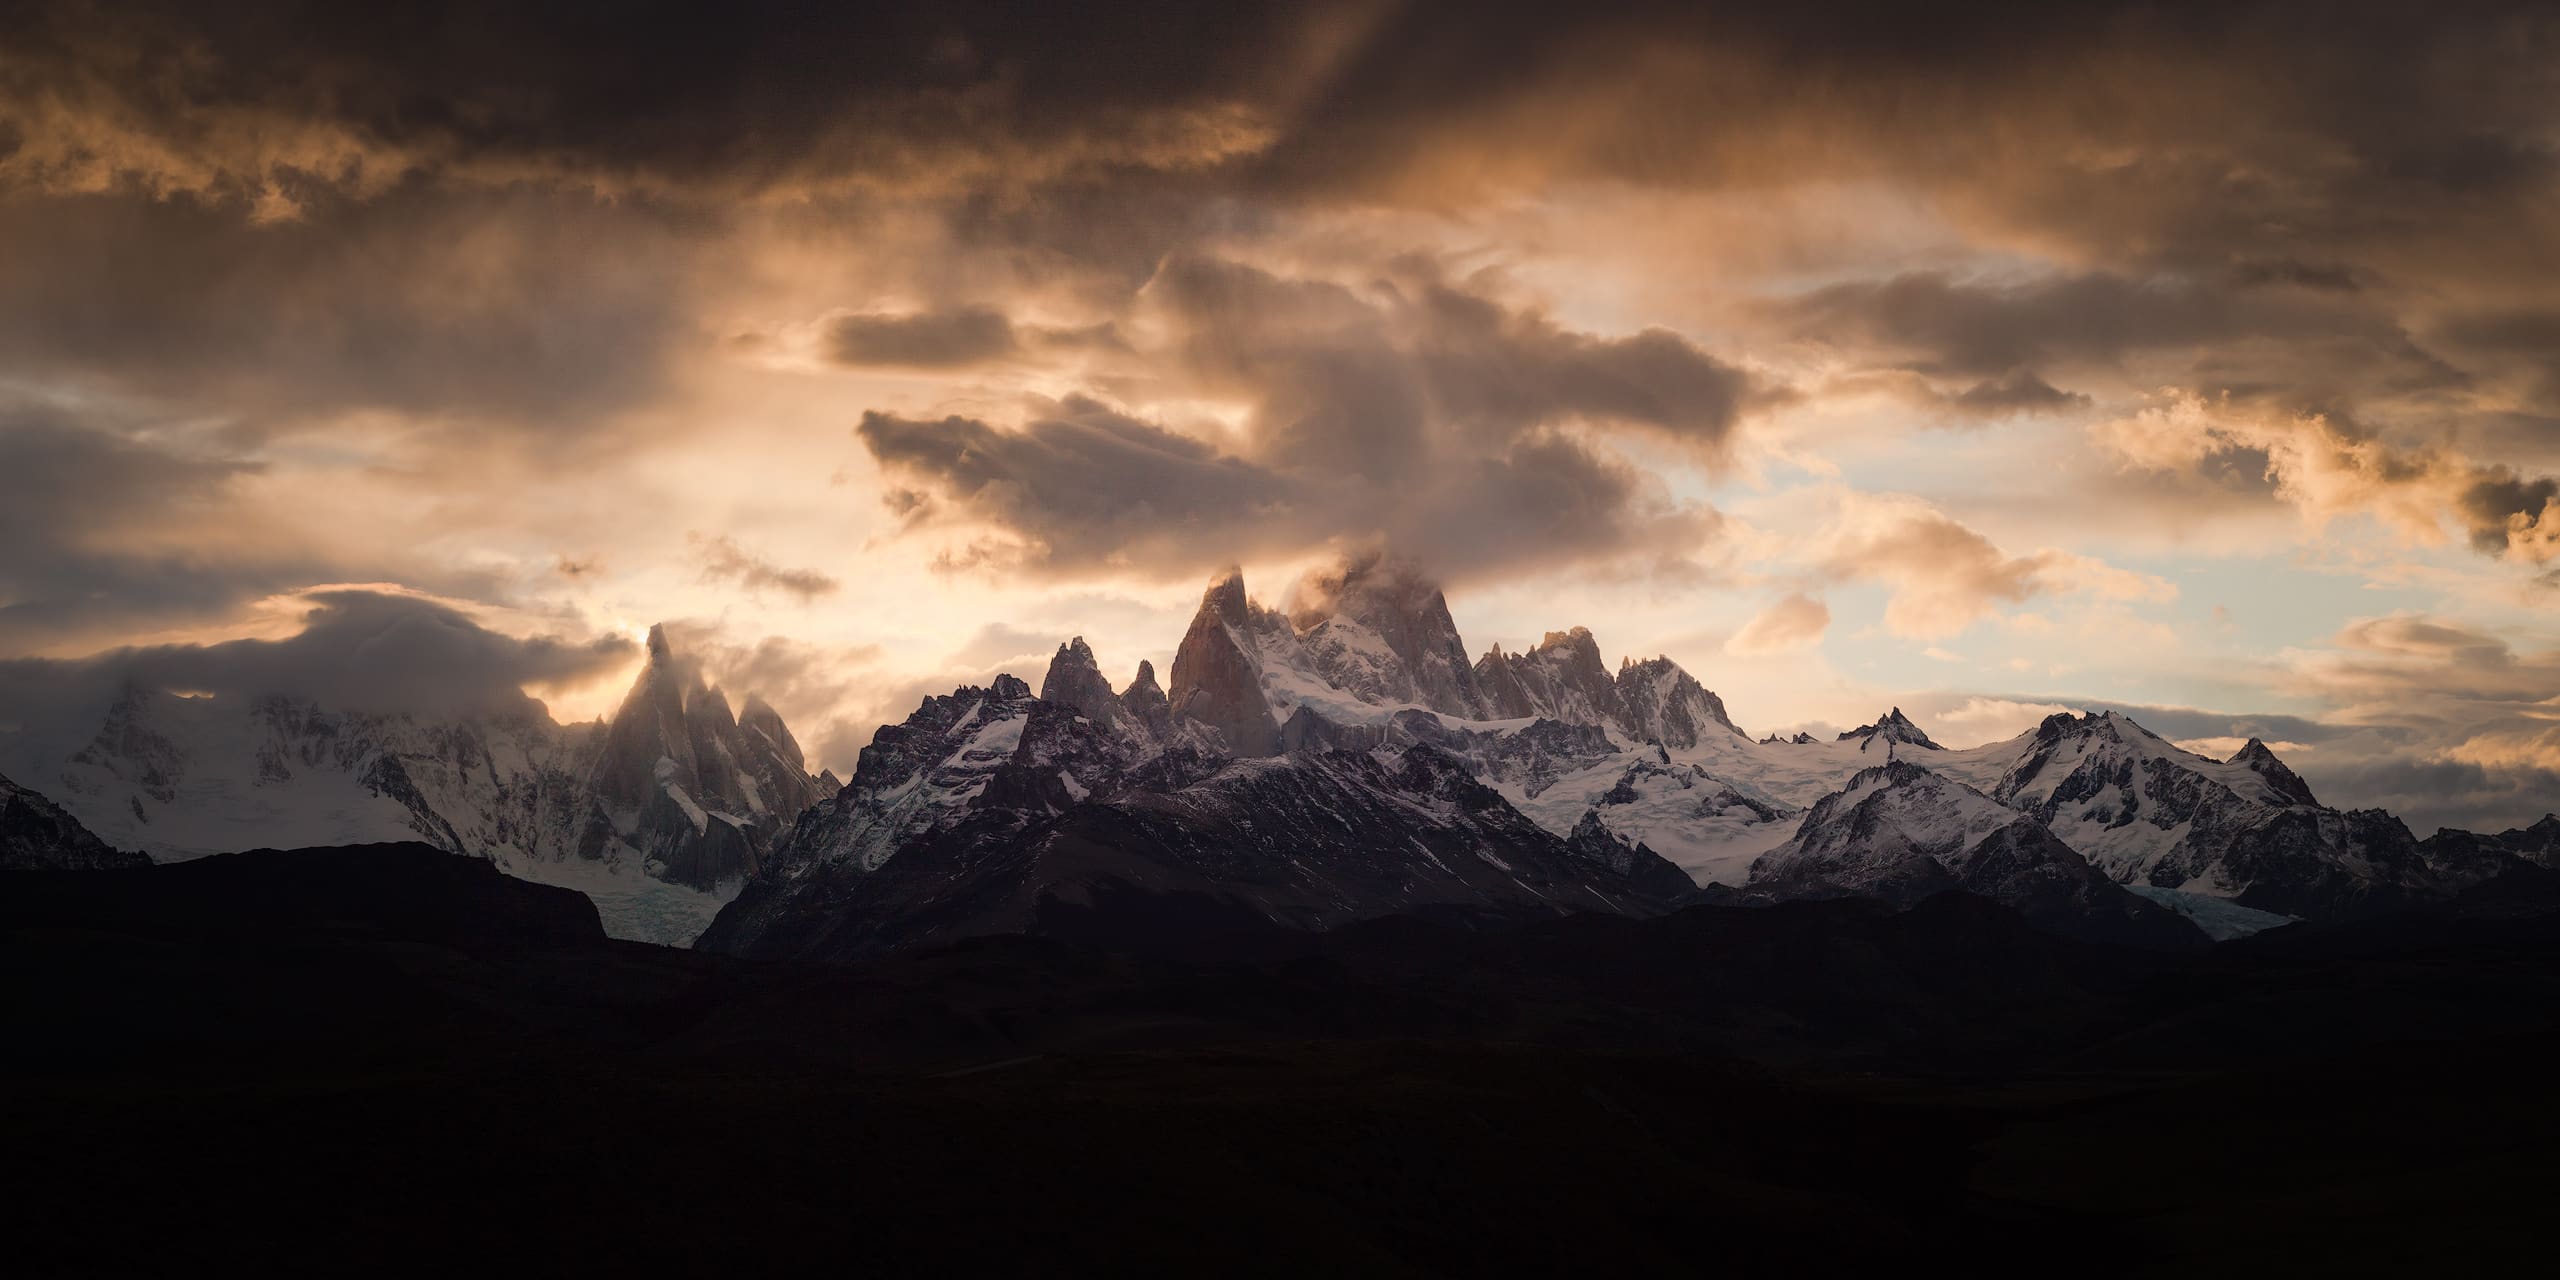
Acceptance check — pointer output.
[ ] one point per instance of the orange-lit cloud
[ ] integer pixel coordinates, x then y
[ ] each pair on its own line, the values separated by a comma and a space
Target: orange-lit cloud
1804, 337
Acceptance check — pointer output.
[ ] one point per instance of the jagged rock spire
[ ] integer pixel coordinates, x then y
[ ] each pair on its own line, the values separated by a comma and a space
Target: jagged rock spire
1893, 726
1145, 700
1216, 679
2258, 759
1564, 678
686, 784
1075, 679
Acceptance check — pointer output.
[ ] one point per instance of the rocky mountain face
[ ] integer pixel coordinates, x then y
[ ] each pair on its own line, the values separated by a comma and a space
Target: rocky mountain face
1364, 645
673, 790
1901, 833
1139, 714
2281, 780
1299, 770
686, 788
1659, 702
1564, 679
2469, 857
1892, 727
1217, 672
993, 811
38, 835
1561, 679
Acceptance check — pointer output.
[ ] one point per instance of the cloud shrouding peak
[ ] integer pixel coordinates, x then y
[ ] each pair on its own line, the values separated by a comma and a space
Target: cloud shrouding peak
359, 650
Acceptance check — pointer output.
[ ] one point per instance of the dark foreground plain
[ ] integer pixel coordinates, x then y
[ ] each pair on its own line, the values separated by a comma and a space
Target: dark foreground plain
389, 1059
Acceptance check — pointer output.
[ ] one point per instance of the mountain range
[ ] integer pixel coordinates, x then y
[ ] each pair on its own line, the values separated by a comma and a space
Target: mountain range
1342, 759
1298, 769
657, 813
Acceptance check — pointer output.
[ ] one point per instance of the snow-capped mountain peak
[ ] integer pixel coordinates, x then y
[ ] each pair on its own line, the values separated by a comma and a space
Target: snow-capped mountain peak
2281, 778
1892, 727
2150, 812
1901, 832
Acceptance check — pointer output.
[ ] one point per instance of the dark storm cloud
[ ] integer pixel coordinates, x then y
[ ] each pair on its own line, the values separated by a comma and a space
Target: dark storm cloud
99, 530
1089, 489
535, 309
1369, 374
2186, 724
112, 525
2183, 130
2506, 510
382, 652
2233, 168
2431, 793
1090, 486
2329, 276
2520, 345
675, 94
1937, 324
1502, 372
1415, 410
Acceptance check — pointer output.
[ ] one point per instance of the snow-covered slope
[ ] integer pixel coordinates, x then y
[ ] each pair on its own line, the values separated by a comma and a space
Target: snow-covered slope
914, 778
1710, 826
657, 814
1901, 832
1670, 770
180, 777
2246, 829
2126, 796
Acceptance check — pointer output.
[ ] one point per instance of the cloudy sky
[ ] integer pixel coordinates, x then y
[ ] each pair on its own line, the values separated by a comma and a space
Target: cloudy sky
2202, 361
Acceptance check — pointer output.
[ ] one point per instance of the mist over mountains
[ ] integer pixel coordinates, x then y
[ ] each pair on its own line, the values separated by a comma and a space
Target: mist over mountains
1299, 769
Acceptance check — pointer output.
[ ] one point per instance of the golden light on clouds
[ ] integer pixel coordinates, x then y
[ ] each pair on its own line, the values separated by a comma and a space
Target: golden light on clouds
1976, 361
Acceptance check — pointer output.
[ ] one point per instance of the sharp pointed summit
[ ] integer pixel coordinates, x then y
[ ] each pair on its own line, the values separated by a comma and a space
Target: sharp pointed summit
1893, 727
1145, 700
1075, 680
1217, 677
682, 785
2259, 760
